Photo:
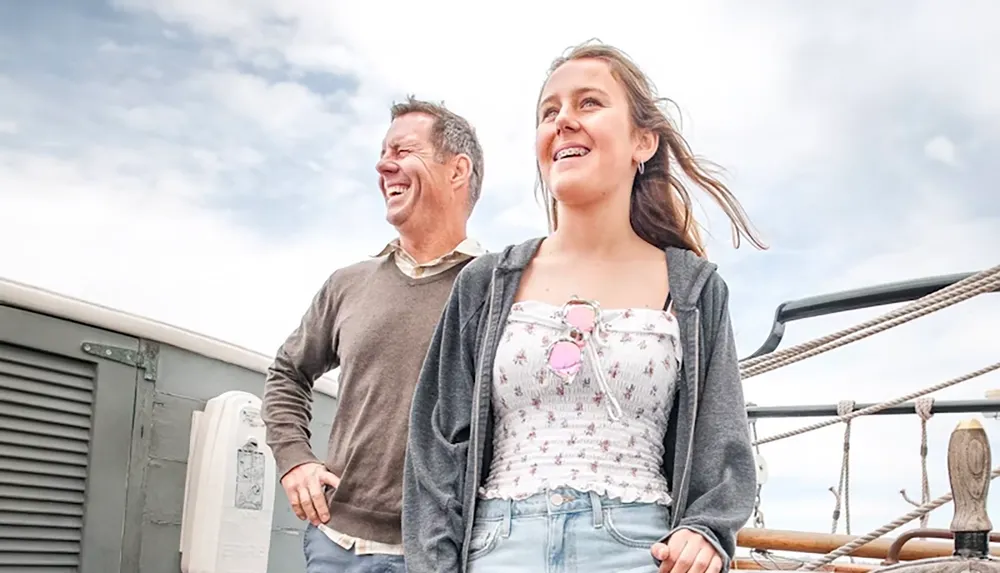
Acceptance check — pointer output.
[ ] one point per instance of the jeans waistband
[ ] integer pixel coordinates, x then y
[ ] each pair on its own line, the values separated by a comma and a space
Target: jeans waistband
555, 501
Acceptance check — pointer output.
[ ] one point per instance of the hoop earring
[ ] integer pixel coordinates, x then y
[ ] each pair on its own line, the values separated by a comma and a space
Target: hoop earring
642, 167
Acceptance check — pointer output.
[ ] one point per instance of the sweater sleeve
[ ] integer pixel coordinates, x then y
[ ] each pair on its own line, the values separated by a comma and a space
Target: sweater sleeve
308, 353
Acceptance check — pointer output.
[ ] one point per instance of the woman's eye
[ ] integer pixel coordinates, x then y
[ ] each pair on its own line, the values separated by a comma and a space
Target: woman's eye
588, 101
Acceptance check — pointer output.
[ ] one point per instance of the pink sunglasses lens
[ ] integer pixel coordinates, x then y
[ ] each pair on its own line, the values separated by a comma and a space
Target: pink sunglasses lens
565, 358
581, 317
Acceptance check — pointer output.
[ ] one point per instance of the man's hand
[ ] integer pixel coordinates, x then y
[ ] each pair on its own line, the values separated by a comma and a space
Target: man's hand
304, 488
687, 552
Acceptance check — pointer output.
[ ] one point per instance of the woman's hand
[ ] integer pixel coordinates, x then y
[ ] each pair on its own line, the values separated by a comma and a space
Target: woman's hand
687, 552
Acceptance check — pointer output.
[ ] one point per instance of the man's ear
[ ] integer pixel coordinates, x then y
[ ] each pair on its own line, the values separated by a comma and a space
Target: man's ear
461, 170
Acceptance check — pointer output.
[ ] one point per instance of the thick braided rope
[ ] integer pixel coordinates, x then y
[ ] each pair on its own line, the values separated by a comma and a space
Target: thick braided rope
761, 368
902, 520
879, 407
961, 286
985, 282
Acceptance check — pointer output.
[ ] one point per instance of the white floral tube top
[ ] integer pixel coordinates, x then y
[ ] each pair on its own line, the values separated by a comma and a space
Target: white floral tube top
549, 433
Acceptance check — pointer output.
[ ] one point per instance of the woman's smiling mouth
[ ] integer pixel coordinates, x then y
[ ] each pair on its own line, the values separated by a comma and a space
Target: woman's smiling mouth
570, 151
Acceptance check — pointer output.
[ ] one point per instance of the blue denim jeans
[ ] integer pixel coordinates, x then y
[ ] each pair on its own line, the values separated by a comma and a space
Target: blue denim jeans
325, 556
566, 531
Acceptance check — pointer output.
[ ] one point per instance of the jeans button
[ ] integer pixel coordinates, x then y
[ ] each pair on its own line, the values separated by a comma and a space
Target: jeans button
556, 499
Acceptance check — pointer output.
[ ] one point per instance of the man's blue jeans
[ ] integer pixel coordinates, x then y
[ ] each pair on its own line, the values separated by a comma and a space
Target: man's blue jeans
325, 556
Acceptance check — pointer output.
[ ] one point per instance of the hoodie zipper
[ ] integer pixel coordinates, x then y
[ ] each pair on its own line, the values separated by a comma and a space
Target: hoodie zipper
474, 437
682, 490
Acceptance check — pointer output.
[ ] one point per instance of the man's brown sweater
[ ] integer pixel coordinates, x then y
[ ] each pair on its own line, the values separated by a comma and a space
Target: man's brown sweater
375, 323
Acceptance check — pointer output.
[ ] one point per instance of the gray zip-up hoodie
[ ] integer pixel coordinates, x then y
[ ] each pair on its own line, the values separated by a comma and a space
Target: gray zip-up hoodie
709, 460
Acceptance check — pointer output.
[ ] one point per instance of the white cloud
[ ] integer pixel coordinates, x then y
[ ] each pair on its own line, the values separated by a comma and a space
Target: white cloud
496, 85
143, 194
940, 148
286, 110
108, 239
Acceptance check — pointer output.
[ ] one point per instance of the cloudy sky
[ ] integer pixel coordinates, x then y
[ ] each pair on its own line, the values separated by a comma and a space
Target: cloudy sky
208, 163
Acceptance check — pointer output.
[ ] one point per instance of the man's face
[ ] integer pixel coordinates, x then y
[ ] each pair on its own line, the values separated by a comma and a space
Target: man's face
413, 183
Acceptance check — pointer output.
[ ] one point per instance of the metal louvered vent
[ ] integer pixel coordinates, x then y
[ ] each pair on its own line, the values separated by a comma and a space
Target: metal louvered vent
46, 402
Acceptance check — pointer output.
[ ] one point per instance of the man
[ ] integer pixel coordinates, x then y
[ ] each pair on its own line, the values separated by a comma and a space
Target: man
374, 320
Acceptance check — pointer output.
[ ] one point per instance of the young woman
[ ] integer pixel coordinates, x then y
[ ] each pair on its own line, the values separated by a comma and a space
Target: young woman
580, 406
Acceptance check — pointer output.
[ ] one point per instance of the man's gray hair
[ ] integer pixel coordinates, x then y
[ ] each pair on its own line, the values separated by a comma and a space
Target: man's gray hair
451, 134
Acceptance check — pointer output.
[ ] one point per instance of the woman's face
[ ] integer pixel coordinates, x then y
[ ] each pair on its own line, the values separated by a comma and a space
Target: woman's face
584, 140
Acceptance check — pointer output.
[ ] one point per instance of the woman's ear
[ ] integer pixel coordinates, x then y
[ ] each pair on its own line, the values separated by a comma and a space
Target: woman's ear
649, 142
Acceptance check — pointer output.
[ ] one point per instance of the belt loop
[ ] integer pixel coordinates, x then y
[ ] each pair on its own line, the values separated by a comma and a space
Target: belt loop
597, 510
508, 509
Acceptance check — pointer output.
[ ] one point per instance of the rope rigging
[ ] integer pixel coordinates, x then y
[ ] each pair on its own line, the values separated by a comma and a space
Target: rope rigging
924, 407
974, 285
842, 493
758, 513
900, 521
977, 284
880, 406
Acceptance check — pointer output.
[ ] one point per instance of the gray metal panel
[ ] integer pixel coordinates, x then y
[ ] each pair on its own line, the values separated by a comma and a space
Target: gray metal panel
184, 383
45, 411
131, 511
65, 433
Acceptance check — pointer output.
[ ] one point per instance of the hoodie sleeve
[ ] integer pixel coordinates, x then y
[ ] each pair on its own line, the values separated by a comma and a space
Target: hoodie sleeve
438, 443
723, 472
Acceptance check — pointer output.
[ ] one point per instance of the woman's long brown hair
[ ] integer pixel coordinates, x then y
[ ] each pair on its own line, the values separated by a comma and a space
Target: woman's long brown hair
660, 207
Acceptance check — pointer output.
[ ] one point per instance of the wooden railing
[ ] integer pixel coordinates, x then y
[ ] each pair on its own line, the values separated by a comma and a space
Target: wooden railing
822, 543
969, 471
744, 564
